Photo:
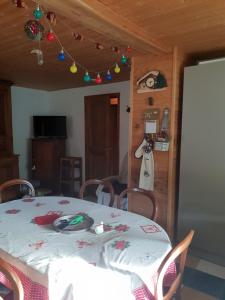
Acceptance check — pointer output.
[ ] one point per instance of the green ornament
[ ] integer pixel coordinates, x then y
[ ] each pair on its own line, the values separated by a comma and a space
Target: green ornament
87, 77
123, 59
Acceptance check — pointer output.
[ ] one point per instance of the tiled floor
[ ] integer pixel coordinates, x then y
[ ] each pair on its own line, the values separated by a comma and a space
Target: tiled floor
190, 294
204, 266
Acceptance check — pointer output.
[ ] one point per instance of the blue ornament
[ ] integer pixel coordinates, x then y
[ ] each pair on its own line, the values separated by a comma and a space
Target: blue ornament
86, 77
61, 56
108, 76
38, 13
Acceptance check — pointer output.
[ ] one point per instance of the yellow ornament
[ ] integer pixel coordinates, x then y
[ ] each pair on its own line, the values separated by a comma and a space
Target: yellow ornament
73, 68
117, 69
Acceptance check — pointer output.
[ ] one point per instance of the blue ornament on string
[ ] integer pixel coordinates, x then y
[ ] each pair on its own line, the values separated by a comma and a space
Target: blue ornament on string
108, 76
61, 55
38, 14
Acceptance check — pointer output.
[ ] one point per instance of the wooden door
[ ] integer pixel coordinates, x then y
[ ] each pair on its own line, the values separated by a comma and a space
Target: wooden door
101, 135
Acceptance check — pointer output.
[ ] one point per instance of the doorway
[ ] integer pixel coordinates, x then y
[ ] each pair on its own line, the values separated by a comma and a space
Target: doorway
102, 135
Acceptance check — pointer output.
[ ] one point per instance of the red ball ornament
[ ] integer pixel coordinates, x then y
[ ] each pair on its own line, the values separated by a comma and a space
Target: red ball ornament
98, 79
50, 36
129, 49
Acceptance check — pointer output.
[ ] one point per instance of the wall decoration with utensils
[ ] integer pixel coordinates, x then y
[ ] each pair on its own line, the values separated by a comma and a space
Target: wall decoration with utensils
146, 178
151, 117
162, 138
151, 82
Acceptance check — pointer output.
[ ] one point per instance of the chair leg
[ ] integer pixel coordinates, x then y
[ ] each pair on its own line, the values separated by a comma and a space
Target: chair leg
178, 293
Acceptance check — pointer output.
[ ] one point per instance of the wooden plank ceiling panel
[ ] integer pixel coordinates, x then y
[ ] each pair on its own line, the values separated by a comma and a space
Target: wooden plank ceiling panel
177, 22
196, 26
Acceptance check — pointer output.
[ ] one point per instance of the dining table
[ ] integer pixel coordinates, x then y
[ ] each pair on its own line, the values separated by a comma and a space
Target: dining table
120, 262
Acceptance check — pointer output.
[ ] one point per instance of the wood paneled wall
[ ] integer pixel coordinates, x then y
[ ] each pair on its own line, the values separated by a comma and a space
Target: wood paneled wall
171, 66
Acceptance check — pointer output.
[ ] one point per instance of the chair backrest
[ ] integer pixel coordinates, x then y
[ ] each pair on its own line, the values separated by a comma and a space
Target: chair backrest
148, 194
15, 182
107, 184
180, 251
13, 278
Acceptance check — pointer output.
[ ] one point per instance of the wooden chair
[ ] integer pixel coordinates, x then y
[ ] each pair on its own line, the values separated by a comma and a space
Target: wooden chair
13, 183
13, 278
97, 182
144, 193
179, 251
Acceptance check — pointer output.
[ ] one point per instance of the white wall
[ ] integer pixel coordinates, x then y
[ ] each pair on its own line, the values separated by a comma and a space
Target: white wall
25, 104
69, 102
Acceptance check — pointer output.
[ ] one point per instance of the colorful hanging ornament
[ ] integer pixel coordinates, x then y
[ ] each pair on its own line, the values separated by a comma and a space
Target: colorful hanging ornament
19, 3
34, 30
115, 49
73, 68
61, 55
51, 16
129, 49
38, 14
98, 79
39, 54
87, 77
123, 59
108, 76
99, 46
117, 69
78, 37
50, 36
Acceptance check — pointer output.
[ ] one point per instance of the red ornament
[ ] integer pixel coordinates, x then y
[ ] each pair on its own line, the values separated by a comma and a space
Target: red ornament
50, 36
98, 79
129, 49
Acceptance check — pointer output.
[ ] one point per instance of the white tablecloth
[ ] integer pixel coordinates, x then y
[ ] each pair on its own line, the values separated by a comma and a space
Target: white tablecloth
84, 265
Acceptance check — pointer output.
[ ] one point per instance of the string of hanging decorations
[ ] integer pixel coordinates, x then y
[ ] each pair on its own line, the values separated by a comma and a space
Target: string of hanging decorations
36, 31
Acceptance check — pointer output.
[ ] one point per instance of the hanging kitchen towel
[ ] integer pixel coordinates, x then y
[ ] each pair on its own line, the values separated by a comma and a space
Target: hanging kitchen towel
146, 179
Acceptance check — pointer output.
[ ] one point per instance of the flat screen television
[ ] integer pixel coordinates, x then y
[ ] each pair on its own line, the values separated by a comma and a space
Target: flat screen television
49, 126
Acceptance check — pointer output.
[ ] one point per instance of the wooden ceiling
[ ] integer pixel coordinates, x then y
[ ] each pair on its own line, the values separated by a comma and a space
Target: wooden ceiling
148, 26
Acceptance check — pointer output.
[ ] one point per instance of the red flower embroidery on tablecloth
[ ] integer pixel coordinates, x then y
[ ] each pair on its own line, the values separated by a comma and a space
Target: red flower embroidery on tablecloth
12, 211
28, 199
122, 227
38, 204
37, 245
82, 244
120, 245
113, 215
63, 202
150, 228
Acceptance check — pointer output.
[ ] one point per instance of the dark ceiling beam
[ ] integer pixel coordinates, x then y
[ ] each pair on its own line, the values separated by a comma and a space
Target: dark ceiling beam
96, 16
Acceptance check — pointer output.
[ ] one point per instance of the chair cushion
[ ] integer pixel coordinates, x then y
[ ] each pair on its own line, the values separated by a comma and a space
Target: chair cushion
117, 186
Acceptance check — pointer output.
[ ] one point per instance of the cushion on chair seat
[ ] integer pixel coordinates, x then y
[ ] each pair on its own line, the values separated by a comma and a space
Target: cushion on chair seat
117, 186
